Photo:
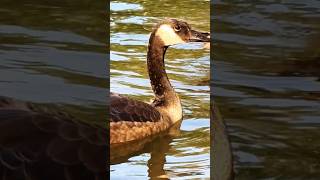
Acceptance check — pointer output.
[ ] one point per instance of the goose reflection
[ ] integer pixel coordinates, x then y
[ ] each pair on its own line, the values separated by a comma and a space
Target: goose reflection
40, 142
157, 146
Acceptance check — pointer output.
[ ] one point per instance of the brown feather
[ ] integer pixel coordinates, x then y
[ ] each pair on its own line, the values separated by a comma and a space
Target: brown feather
42, 143
131, 120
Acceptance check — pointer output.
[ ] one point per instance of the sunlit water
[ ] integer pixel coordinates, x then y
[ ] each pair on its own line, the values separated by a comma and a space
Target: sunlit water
266, 84
188, 66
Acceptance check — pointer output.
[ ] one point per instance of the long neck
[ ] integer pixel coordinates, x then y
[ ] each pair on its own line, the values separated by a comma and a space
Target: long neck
159, 80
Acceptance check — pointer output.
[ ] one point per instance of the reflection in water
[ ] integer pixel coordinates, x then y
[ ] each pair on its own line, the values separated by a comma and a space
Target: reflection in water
187, 155
158, 146
266, 84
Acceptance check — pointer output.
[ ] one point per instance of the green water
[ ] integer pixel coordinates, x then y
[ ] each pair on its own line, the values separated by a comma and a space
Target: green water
186, 156
266, 84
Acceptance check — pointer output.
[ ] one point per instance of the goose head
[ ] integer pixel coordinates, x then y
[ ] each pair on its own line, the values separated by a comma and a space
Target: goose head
173, 31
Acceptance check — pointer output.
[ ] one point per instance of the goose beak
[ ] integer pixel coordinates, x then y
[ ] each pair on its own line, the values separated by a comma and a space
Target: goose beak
197, 36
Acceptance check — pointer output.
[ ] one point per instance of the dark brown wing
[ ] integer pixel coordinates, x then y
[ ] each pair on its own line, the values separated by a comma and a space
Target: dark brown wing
41, 145
125, 109
132, 120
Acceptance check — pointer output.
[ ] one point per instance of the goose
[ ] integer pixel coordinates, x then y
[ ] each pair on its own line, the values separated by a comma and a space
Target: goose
222, 160
131, 119
41, 141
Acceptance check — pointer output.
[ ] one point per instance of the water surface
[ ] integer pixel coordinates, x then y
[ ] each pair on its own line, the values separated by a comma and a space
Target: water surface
53, 53
266, 84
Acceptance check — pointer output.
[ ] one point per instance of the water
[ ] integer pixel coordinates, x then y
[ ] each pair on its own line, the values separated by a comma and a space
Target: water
266, 85
52, 53
186, 155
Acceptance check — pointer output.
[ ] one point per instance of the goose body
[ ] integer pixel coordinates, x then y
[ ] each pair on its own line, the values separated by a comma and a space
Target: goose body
132, 119
39, 141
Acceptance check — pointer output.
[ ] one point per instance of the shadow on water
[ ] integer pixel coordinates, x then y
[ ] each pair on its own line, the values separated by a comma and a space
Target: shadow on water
266, 84
52, 54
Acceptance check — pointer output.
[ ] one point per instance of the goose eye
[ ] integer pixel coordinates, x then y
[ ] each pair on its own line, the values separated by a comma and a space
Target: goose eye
177, 28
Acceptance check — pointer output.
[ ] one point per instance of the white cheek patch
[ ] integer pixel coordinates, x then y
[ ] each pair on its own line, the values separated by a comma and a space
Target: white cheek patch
168, 36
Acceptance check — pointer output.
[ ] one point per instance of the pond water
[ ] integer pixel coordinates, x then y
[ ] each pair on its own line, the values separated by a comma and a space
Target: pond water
186, 156
266, 85
52, 52
53, 55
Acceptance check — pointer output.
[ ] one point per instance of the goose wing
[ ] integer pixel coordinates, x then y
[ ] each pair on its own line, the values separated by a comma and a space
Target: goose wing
132, 120
46, 145
130, 110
